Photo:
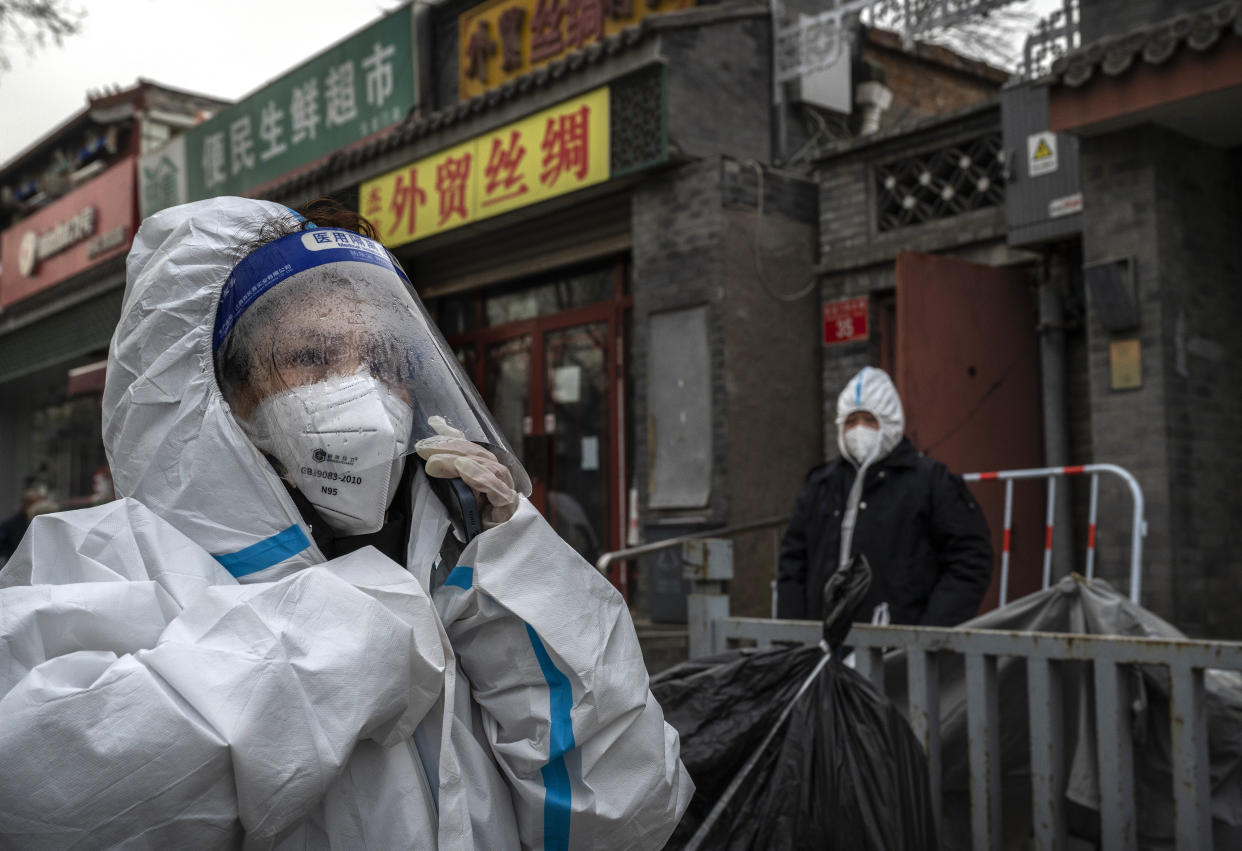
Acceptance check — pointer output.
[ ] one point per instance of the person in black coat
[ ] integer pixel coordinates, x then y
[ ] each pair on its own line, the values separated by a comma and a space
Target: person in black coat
921, 530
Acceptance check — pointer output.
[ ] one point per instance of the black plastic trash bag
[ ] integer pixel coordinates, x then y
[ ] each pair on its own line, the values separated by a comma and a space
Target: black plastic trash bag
846, 773
723, 707
838, 768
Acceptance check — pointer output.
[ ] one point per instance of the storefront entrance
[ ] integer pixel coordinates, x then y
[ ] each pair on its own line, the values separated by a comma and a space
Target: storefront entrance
548, 356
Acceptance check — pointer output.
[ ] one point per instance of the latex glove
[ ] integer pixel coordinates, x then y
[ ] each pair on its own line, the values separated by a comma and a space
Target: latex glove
450, 455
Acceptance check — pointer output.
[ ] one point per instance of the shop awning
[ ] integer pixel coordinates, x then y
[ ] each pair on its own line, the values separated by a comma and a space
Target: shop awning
70, 333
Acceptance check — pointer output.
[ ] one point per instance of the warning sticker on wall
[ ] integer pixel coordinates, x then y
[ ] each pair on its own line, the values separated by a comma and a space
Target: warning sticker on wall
1041, 153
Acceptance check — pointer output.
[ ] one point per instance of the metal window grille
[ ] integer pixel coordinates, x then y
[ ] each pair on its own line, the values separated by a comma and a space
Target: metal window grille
942, 184
639, 128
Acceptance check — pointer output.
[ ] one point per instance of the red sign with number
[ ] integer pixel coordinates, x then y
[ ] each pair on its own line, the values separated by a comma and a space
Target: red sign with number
845, 320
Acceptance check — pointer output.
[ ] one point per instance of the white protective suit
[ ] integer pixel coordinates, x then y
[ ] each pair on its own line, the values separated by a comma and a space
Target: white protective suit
183, 669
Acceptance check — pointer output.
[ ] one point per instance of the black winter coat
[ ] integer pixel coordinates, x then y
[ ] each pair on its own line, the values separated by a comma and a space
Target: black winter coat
921, 530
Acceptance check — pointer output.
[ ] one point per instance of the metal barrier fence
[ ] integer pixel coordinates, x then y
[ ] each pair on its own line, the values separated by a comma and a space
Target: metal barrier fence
1043, 653
1137, 532
1138, 529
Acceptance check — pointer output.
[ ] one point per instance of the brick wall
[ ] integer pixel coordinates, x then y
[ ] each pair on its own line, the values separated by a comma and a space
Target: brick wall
677, 228
695, 236
1198, 216
1119, 186
719, 94
1170, 203
771, 364
929, 81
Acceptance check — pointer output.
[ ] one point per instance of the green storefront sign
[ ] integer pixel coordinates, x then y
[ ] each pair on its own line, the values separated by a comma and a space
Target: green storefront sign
345, 93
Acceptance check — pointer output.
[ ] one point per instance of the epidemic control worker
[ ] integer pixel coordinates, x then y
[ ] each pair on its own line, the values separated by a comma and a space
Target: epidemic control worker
920, 529
280, 635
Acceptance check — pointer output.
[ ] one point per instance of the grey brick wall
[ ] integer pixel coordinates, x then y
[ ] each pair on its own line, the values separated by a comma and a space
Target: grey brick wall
677, 227
719, 97
771, 364
845, 205
1119, 186
696, 234
1198, 217
1171, 204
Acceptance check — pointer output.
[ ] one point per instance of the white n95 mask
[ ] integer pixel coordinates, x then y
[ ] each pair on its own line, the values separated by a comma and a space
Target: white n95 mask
862, 442
342, 442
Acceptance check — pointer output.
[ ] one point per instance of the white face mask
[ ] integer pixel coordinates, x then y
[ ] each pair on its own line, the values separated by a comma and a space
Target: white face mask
342, 442
861, 442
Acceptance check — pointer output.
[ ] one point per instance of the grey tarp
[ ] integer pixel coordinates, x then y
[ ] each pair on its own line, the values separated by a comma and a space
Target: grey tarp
1076, 605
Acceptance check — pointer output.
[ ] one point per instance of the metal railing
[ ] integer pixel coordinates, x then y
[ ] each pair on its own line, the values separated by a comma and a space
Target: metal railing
1137, 531
1044, 655
605, 561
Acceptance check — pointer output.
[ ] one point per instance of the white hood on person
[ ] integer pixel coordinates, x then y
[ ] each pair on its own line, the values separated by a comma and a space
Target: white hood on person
871, 390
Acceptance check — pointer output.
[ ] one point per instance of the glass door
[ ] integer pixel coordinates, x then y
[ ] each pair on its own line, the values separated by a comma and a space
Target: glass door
548, 359
576, 407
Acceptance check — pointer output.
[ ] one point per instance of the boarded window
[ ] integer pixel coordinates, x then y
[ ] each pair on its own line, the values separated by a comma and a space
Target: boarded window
679, 406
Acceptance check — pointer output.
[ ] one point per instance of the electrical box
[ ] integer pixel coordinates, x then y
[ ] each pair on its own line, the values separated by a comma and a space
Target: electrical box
829, 88
1043, 194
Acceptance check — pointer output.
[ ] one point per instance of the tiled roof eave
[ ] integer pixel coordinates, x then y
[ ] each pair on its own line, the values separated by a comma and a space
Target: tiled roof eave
1154, 44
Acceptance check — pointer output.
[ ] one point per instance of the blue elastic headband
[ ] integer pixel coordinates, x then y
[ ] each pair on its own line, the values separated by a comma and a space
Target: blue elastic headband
275, 262
301, 219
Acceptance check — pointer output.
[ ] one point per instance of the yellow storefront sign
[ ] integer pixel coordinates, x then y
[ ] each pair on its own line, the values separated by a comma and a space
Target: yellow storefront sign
503, 39
551, 153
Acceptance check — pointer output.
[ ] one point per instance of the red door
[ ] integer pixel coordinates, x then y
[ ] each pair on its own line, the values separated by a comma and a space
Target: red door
967, 369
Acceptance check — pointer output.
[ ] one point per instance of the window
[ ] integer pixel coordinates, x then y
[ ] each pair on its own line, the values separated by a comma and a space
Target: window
941, 184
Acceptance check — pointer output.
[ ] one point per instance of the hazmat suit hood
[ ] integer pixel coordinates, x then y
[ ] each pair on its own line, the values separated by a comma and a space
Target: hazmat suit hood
871, 390
171, 440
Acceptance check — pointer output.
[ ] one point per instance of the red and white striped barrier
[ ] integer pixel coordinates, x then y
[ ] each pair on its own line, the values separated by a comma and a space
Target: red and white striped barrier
1138, 530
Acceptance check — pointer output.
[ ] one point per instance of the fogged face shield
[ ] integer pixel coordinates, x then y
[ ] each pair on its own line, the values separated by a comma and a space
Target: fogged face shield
332, 366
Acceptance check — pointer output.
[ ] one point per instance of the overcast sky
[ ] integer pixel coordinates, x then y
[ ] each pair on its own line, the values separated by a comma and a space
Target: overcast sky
224, 48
